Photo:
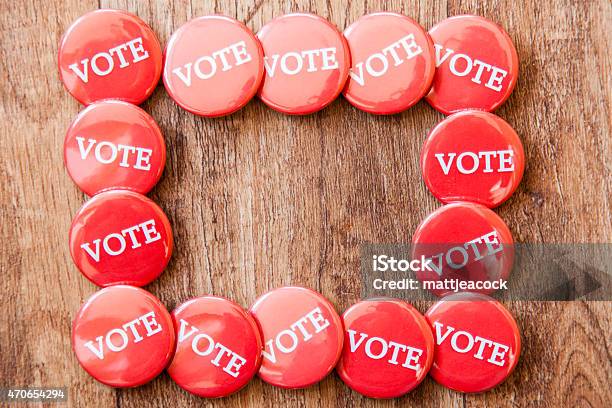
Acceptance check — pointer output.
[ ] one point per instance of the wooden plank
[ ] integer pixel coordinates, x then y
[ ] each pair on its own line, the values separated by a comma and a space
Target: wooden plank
259, 200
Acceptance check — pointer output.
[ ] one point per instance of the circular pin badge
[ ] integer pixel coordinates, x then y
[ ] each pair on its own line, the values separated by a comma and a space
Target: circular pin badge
473, 156
306, 63
392, 64
477, 342
114, 145
123, 336
218, 347
213, 66
109, 54
120, 237
388, 348
463, 247
302, 336
477, 65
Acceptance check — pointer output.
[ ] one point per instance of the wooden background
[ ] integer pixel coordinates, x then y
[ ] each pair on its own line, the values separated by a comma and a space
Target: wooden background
258, 199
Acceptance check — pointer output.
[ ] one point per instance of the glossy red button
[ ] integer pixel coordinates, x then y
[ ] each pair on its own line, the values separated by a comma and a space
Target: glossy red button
123, 336
213, 66
388, 348
109, 54
477, 342
392, 63
306, 62
114, 144
219, 347
465, 242
477, 65
473, 156
120, 237
302, 335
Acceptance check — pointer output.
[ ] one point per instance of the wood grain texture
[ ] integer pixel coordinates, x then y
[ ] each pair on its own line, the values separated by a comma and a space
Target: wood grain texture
258, 199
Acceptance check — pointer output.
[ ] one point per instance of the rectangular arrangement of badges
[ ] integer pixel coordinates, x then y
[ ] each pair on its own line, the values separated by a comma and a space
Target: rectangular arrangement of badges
297, 64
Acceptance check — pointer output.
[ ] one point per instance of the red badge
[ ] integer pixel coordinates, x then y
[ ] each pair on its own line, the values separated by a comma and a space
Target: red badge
120, 237
110, 54
123, 336
477, 65
388, 348
306, 62
302, 335
213, 66
114, 144
218, 347
473, 156
477, 342
463, 243
392, 63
